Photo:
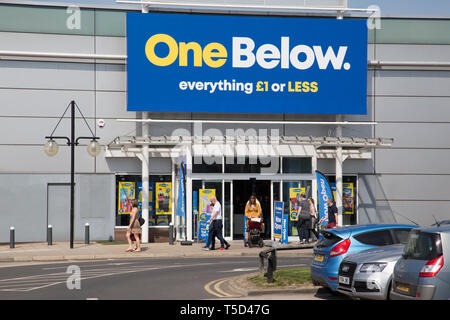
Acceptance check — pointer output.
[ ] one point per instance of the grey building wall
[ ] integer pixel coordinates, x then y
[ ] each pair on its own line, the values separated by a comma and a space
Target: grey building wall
411, 106
27, 204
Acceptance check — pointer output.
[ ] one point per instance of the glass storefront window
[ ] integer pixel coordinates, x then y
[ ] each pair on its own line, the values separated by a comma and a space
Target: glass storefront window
197, 185
291, 194
349, 198
128, 187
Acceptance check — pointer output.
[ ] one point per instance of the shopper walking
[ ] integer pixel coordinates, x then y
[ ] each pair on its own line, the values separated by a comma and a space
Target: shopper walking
215, 227
252, 210
134, 228
313, 213
304, 219
332, 214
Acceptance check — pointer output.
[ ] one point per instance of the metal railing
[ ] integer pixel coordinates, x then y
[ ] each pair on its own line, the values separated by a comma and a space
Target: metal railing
271, 256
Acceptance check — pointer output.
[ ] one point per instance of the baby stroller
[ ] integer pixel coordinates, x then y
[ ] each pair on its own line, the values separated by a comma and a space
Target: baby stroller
255, 231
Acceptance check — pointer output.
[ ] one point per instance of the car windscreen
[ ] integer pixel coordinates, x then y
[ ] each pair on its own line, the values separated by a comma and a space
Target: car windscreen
423, 245
401, 235
328, 240
375, 238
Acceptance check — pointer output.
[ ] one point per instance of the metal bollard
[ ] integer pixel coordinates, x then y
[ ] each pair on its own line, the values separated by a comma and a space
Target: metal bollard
261, 264
271, 265
270, 269
49, 235
86, 233
171, 233
274, 260
11, 237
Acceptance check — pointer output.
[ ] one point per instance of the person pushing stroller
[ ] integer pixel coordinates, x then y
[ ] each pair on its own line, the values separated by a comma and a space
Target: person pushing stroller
252, 210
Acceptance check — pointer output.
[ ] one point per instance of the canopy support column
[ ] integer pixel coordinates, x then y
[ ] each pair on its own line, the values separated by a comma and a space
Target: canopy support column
188, 177
339, 188
145, 179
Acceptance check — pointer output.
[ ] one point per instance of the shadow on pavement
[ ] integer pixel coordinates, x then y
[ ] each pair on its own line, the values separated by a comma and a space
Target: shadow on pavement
327, 294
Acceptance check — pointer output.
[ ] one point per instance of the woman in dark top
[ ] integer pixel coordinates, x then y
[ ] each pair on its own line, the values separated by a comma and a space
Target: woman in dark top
304, 219
332, 214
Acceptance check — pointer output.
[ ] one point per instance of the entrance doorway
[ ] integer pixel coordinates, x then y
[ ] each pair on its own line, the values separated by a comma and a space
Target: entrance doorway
242, 190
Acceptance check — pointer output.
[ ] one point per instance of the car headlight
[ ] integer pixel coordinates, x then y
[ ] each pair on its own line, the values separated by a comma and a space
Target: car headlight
373, 267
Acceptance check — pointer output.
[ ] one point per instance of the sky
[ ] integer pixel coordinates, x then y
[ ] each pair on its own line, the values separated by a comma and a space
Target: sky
432, 8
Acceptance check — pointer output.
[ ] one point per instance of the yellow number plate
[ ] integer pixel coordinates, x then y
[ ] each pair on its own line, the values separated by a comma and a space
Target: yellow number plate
403, 288
318, 257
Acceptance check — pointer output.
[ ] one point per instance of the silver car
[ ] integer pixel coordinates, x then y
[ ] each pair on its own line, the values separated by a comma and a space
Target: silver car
368, 274
423, 271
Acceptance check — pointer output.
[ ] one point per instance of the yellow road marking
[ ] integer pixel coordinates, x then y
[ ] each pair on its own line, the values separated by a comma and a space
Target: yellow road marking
208, 289
213, 288
217, 288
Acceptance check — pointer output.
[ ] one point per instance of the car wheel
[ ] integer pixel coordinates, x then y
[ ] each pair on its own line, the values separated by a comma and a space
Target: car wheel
388, 294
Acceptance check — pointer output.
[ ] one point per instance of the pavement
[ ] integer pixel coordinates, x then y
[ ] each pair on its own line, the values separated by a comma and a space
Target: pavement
60, 251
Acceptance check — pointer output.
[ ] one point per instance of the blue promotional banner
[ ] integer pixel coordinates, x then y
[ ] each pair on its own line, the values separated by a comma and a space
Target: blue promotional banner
205, 212
278, 220
324, 193
246, 64
285, 228
204, 229
181, 203
195, 212
245, 228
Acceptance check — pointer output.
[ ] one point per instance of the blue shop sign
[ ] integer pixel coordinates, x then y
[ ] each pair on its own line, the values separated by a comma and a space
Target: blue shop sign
246, 64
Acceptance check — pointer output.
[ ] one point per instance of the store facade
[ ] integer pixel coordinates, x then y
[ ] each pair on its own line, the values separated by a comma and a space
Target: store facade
45, 65
274, 172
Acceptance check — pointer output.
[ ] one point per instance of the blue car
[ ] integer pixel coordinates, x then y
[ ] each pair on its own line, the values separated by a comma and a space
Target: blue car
338, 243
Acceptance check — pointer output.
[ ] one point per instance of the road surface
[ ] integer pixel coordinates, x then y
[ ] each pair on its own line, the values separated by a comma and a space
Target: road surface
172, 279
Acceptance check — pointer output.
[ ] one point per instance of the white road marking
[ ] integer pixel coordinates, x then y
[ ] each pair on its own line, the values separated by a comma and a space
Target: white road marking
253, 269
240, 270
94, 265
52, 282
39, 281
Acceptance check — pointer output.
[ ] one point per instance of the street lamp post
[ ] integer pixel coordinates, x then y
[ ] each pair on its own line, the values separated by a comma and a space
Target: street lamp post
51, 149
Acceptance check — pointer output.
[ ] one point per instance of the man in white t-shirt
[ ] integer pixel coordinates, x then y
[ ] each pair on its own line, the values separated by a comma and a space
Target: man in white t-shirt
215, 227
